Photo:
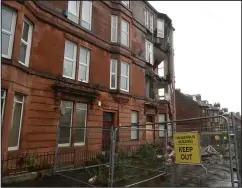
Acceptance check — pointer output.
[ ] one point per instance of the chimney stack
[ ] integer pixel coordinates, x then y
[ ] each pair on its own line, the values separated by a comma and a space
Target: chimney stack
198, 97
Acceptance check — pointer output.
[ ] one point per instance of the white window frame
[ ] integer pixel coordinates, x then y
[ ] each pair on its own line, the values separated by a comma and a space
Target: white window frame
146, 13
68, 144
134, 126
113, 73
70, 15
83, 109
160, 31
125, 3
90, 16
115, 27
127, 77
151, 19
84, 65
72, 60
20, 123
127, 33
4, 100
27, 55
11, 33
149, 52
161, 126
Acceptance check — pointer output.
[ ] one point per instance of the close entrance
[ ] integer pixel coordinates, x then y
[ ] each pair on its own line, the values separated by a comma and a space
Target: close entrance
108, 120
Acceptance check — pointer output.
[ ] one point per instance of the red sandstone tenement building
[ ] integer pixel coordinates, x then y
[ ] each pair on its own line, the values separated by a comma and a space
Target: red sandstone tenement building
192, 106
86, 63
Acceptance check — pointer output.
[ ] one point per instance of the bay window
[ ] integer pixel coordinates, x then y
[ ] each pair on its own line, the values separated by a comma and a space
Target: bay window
151, 27
81, 118
8, 30
124, 77
86, 14
69, 60
125, 33
134, 125
84, 61
146, 18
149, 52
67, 115
160, 28
73, 11
3, 98
161, 118
16, 123
149, 20
25, 45
65, 120
114, 28
113, 73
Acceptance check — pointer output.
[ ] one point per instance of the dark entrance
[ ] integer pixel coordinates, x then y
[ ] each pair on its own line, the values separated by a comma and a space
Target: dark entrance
108, 120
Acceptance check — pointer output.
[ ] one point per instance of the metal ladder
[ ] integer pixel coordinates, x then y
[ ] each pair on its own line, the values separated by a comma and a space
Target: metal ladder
233, 141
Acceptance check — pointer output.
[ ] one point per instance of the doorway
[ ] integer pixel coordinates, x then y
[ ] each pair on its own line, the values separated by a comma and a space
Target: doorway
149, 133
108, 121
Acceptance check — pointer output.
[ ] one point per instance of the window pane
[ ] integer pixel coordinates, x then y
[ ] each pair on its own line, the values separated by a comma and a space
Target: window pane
124, 83
65, 120
113, 73
25, 31
161, 118
80, 122
83, 55
161, 93
81, 106
86, 25
82, 72
68, 68
124, 69
124, 26
134, 122
124, 38
22, 55
134, 133
3, 94
161, 131
69, 50
15, 125
18, 98
113, 81
5, 43
7, 17
114, 21
169, 130
86, 11
134, 117
72, 7
114, 66
114, 34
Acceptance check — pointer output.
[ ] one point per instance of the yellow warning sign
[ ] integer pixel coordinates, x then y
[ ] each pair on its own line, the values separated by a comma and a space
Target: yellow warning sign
187, 149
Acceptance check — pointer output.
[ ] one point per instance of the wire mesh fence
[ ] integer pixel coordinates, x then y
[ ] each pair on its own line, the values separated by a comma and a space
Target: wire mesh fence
140, 155
215, 168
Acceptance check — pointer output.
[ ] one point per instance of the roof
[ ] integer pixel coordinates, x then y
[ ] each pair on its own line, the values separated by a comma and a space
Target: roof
200, 103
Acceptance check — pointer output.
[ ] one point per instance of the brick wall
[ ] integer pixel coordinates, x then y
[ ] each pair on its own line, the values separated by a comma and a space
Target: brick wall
187, 108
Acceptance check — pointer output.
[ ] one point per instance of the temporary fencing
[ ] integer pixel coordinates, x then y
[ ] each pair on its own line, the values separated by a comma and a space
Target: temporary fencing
145, 155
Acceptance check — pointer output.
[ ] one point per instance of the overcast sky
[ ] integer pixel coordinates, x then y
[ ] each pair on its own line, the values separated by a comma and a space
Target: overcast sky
207, 43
